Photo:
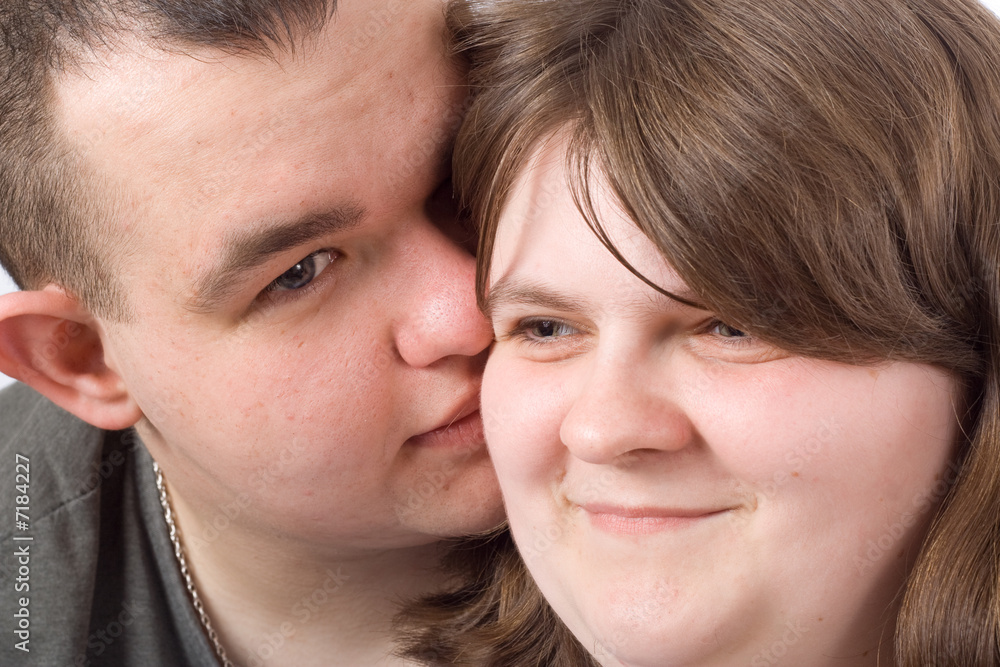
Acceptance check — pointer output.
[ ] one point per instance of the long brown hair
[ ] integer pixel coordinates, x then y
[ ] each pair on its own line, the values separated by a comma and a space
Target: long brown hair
824, 174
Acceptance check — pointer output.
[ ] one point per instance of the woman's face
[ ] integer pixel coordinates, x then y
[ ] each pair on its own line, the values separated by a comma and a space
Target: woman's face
685, 494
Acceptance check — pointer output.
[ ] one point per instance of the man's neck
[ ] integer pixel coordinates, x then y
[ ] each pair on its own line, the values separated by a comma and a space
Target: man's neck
280, 604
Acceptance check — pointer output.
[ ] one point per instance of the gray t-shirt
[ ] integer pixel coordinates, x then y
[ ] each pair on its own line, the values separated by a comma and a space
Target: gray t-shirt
88, 575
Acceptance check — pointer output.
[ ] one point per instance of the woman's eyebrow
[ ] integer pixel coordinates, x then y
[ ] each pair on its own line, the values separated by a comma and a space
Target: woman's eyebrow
511, 290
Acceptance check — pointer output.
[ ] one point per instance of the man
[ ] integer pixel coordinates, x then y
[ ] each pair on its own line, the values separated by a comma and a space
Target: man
231, 220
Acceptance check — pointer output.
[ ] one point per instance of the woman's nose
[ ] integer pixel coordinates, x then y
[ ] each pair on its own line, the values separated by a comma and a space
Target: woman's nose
618, 411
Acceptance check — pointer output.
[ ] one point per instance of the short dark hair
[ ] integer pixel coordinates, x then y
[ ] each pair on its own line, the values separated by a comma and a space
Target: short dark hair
52, 207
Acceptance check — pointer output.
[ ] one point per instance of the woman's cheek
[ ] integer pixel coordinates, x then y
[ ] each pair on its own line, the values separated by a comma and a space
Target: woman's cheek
522, 405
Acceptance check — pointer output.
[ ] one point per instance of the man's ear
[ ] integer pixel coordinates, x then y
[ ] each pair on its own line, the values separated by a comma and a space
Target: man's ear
49, 341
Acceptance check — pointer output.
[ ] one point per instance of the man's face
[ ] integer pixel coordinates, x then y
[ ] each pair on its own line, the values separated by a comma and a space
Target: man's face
304, 320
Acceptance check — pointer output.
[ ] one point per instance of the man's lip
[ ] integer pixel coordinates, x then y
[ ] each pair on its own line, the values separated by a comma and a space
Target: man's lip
466, 428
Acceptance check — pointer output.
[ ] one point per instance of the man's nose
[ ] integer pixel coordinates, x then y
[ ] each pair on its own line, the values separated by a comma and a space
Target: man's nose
618, 410
441, 318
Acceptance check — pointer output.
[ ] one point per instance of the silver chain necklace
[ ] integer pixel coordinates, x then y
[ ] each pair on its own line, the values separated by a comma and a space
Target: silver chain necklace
175, 539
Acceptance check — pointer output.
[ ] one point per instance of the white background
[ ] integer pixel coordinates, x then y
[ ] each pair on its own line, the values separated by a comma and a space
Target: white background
7, 285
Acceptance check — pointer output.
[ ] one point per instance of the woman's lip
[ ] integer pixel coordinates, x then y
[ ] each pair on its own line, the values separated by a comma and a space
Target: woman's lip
466, 432
631, 512
645, 520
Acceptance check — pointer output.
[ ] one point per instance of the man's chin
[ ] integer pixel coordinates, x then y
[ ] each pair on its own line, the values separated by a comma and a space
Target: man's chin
464, 502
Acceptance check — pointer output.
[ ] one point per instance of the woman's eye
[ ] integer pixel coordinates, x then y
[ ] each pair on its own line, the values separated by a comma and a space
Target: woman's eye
542, 329
542, 339
725, 342
303, 273
725, 331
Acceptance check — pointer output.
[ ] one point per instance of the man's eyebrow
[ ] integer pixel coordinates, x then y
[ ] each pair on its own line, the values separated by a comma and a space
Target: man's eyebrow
510, 290
247, 249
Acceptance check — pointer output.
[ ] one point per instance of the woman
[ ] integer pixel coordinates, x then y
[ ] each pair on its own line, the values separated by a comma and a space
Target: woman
742, 264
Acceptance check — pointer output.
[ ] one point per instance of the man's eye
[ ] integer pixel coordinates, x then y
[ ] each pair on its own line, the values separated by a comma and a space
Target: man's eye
303, 273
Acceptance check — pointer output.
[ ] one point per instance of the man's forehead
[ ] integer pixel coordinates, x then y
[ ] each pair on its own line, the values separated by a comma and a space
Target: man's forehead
180, 121
138, 91
129, 72
145, 96
207, 142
